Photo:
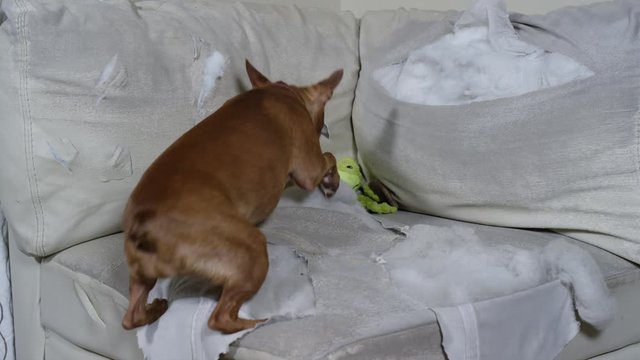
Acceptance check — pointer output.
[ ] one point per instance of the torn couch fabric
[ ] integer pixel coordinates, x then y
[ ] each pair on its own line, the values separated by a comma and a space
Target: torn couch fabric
182, 332
477, 332
359, 272
482, 59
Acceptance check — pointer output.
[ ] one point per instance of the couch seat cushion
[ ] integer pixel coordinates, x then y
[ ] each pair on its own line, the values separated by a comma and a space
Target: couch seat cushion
84, 292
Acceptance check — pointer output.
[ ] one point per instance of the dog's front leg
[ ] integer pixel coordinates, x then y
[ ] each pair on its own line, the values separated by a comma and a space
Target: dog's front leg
331, 179
317, 170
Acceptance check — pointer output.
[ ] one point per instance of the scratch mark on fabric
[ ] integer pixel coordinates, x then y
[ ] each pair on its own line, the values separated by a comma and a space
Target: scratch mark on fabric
86, 302
196, 47
134, 8
113, 75
63, 151
119, 165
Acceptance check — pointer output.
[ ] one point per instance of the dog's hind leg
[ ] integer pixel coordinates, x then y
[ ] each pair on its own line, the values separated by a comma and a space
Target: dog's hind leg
225, 316
139, 312
237, 261
242, 284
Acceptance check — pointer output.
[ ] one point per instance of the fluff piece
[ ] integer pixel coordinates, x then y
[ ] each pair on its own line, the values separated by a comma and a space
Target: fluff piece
447, 266
213, 69
578, 271
482, 59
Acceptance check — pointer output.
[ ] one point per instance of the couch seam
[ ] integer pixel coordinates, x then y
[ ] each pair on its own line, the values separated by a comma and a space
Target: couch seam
28, 127
637, 123
358, 63
622, 276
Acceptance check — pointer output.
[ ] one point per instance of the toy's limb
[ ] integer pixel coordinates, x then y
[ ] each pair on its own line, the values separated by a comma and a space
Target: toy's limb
385, 195
368, 192
376, 207
350, 173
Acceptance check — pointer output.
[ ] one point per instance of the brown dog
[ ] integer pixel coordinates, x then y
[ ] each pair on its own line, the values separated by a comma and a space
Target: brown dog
195, 209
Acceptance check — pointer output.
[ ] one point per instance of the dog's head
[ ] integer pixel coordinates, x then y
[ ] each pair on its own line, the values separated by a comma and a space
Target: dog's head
315, 96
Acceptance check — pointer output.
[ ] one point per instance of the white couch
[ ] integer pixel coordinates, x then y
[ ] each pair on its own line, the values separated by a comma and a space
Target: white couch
91, 91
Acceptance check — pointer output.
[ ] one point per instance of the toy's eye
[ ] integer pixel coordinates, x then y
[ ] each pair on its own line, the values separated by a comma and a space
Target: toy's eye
349, 167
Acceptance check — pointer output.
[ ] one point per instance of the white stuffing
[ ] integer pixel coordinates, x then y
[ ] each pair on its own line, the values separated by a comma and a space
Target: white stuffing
577, 269
442, 266
451, 266
213, 69
482, 59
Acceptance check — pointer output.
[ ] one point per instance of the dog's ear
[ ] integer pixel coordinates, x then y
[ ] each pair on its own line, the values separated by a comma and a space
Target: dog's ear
324, 89
333, 80
256, 78
316, 97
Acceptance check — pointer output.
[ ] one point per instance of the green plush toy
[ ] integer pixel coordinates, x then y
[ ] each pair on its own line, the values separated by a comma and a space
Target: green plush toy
350, 173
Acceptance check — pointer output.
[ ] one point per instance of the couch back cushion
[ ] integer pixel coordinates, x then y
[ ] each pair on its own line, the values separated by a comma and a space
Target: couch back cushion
564, 158
93, 91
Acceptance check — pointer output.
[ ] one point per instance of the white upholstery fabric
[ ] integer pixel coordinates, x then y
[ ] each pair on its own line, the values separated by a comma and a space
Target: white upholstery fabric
58, 348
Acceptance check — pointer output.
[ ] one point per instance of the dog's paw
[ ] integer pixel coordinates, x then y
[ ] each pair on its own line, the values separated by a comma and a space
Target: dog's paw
133, 319
230, 327
329, 184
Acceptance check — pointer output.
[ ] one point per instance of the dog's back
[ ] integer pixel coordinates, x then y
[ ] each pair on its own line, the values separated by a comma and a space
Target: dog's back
238, 158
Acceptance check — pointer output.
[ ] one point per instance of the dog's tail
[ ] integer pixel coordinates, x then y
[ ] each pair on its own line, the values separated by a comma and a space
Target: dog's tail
138, 235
